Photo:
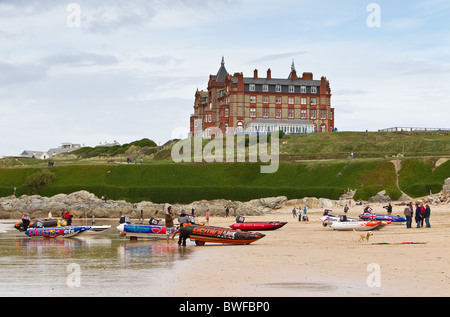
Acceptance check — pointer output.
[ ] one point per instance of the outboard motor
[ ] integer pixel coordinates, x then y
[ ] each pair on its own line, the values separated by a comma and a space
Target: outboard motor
343, 218
125, 219
240, 219
153, 221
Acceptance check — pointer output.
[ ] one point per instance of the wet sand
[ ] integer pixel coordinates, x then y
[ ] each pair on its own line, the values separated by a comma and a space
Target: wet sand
306, 259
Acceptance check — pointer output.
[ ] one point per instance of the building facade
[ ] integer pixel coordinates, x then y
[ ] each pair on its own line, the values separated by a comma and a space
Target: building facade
237, 104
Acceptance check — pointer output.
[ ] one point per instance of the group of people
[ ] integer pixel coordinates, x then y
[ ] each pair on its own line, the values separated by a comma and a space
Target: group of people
298, 212
183, 219
421, 213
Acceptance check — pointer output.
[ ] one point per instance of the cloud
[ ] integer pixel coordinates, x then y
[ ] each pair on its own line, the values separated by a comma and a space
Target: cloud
278, 56
80, 59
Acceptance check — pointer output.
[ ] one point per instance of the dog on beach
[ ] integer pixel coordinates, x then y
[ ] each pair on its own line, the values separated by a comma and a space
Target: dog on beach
363, 236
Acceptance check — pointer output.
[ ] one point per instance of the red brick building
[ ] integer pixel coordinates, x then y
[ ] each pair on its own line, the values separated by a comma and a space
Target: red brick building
234, 103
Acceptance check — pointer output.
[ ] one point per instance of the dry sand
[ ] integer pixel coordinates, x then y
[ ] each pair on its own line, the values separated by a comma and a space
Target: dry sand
307, 259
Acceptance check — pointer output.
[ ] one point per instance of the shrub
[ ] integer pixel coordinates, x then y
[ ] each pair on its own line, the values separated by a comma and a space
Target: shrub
37, 180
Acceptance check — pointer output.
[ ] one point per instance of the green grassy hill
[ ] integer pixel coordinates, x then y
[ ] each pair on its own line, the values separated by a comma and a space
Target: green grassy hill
314, 165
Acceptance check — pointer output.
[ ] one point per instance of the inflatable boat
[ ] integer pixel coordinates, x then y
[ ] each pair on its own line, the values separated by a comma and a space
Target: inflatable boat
328, 220
141, 231
201, 234
96, 229
369, 216
258, 225
357, 225
65, 232
45, 223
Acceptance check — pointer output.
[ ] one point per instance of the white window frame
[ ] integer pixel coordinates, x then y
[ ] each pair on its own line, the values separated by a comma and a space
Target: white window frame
278, 100
265, 88
277, 88
252, 112
251, 87
278, 113
313, 89
291, 113
303, 89
291, 89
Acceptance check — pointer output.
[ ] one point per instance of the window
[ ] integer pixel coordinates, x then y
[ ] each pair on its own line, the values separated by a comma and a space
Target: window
278, 88
291, 89
265, 112
226, 112
291, 100
252, 99
252, 112
303, 101
313, 101
226, 127
323, 114
277, 113
291, 113
303, 89
303, 114
314, 90
209, 118
278, 100
265, 99
251, 87
265, 88
313, 114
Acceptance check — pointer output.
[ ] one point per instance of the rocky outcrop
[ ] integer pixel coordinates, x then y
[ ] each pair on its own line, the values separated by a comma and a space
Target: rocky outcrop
84, 204
446, 188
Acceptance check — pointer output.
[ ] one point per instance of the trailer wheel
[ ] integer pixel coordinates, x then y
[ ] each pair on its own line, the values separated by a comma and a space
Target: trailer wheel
199, 242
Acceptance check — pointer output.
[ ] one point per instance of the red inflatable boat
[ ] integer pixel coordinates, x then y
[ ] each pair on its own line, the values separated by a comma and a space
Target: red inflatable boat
258, 225
201, 234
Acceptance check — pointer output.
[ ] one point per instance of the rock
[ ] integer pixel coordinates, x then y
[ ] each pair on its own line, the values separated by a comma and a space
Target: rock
446, 187
380, 197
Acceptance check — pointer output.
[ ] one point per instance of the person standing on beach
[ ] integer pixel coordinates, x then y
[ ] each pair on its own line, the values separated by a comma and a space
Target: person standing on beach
388, 208
183, 219
299, 214
417, 217
207, 216
294, 213
408, 215
170, 228
427, 215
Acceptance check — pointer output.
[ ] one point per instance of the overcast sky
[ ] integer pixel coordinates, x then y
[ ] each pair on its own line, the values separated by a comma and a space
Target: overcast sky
91, 71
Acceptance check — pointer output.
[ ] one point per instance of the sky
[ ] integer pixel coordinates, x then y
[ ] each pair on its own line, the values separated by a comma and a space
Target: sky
92, 71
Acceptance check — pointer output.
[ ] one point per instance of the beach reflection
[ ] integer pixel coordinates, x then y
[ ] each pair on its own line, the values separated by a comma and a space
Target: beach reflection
109, 264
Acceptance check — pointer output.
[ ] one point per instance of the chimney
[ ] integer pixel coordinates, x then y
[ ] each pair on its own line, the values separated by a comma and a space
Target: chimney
255, 74
269, 74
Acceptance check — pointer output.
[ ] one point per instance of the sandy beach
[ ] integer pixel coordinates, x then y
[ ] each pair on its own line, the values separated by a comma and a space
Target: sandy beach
306, 259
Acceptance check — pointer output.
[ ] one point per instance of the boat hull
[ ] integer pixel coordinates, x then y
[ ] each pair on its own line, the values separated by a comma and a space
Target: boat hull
357, 225
258, 225
142, 231
65, 232
201, 234
395, 219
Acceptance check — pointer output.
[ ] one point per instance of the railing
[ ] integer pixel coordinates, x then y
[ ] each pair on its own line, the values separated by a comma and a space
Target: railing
412, 129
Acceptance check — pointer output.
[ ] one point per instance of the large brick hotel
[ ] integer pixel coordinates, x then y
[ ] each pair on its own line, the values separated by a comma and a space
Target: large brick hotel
234, 103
